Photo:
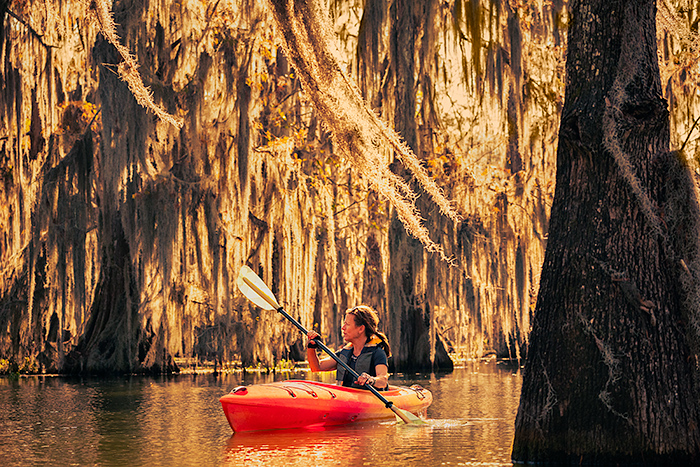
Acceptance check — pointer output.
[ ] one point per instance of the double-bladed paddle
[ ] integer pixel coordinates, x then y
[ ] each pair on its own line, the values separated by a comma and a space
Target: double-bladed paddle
257, 292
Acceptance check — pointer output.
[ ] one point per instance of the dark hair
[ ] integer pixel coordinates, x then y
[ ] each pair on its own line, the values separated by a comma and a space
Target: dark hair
367, 317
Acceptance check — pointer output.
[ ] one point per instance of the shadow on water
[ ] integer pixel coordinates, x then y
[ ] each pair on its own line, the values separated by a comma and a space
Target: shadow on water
178, 420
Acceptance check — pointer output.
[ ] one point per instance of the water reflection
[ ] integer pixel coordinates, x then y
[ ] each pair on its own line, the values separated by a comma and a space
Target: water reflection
295, 447
179, 421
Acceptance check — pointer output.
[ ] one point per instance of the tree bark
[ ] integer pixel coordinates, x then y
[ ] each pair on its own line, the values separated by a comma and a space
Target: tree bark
408, 305
611, 374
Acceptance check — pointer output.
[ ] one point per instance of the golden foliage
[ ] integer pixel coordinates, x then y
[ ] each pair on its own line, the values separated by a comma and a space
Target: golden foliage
76, 116
361, 136
128, 68
687, 58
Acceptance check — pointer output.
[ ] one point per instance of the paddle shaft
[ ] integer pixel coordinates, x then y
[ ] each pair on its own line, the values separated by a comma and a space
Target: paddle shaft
332, 354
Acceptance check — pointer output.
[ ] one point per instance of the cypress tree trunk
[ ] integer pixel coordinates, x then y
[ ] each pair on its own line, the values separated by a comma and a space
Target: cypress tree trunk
611, 375
406, 254
407, 290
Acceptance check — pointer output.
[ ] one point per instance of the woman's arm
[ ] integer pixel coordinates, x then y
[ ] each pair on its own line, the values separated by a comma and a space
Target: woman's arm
327, 364
380, 381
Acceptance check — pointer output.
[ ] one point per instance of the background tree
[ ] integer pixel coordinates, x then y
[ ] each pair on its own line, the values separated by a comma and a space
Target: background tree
124, 231
612, 369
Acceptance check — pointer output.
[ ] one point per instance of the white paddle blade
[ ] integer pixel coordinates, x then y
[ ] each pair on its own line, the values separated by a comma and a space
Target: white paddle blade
255, 289
406, 417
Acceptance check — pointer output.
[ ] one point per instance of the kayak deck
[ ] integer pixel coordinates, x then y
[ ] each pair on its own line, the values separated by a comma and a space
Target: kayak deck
300, 404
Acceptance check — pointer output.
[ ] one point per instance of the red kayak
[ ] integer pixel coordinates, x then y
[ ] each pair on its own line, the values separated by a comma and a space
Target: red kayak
300, 404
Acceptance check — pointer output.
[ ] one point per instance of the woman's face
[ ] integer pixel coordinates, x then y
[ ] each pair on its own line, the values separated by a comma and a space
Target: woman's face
351, 330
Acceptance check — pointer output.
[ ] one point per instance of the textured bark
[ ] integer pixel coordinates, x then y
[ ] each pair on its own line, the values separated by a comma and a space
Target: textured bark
611, 376
406, 291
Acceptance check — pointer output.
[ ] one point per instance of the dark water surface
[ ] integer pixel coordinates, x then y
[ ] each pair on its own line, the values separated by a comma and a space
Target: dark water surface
178, 420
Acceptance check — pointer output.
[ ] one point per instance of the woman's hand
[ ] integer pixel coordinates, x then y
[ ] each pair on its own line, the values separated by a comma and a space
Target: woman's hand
380, 381
312, 335
366, 379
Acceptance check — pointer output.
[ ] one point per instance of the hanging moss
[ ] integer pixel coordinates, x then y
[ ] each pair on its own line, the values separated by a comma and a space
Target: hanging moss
120, 247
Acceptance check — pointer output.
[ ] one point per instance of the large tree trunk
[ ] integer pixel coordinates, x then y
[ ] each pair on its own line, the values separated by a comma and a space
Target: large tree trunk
411, 325
611, 371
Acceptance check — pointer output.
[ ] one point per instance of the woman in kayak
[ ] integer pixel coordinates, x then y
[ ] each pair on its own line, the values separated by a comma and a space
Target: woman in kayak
366, 352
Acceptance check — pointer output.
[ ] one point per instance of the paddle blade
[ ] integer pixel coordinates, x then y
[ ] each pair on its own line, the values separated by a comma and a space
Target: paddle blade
255, 289
404, 416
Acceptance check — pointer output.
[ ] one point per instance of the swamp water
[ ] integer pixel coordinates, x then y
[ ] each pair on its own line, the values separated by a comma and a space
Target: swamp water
178, 420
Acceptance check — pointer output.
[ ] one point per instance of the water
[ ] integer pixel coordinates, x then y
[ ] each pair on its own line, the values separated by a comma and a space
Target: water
178, 420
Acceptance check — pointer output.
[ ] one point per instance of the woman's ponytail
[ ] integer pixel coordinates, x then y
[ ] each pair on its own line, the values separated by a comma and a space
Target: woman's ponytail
384, 344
